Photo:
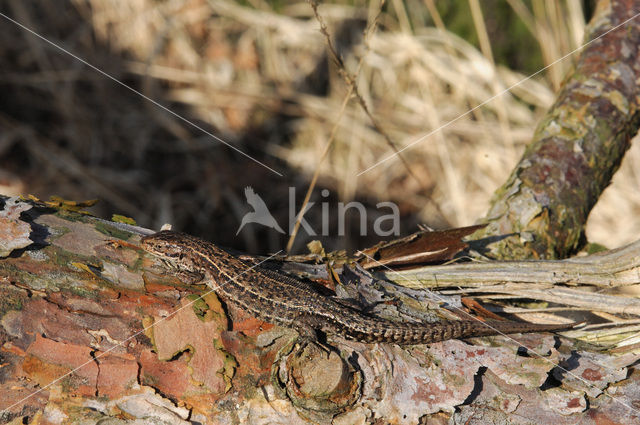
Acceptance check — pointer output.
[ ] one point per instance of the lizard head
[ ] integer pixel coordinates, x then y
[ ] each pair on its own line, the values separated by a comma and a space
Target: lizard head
170, 247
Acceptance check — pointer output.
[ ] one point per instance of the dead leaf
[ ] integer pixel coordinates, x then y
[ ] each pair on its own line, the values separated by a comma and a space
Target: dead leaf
64, 204
424, 247
315, 247
123, 219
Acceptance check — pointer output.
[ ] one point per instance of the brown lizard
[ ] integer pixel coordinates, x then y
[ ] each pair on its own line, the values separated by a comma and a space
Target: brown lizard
280, 299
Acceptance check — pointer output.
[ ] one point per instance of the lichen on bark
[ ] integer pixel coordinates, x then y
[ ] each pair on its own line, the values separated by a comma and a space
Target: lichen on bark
543, 207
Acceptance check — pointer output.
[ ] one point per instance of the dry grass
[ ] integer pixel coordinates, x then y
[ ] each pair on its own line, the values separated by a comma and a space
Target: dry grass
260, 80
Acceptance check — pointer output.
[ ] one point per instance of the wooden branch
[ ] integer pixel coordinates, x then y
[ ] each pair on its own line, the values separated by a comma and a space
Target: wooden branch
540, 280
577, 146
614, 268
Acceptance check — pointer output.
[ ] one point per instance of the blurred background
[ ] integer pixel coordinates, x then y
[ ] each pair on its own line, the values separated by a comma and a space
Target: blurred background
259, 75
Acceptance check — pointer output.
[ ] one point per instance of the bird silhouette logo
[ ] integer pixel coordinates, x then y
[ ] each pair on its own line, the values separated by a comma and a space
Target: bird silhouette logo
260, 213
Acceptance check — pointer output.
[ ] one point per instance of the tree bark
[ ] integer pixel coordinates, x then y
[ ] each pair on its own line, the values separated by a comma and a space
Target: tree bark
576, 148
93, 329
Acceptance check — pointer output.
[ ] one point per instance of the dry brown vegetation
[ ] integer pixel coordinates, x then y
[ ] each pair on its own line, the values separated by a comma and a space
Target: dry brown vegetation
261, 79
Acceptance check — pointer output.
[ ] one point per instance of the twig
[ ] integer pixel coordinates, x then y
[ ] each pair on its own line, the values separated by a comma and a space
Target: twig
351, 81
332, 136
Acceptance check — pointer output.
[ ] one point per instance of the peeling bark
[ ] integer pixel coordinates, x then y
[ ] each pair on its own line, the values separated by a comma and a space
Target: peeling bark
93, 329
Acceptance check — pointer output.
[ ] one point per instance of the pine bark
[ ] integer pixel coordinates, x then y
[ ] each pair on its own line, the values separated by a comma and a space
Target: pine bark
577, 147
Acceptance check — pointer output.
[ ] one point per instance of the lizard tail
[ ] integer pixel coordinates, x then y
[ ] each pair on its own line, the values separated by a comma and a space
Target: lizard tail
405, 334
